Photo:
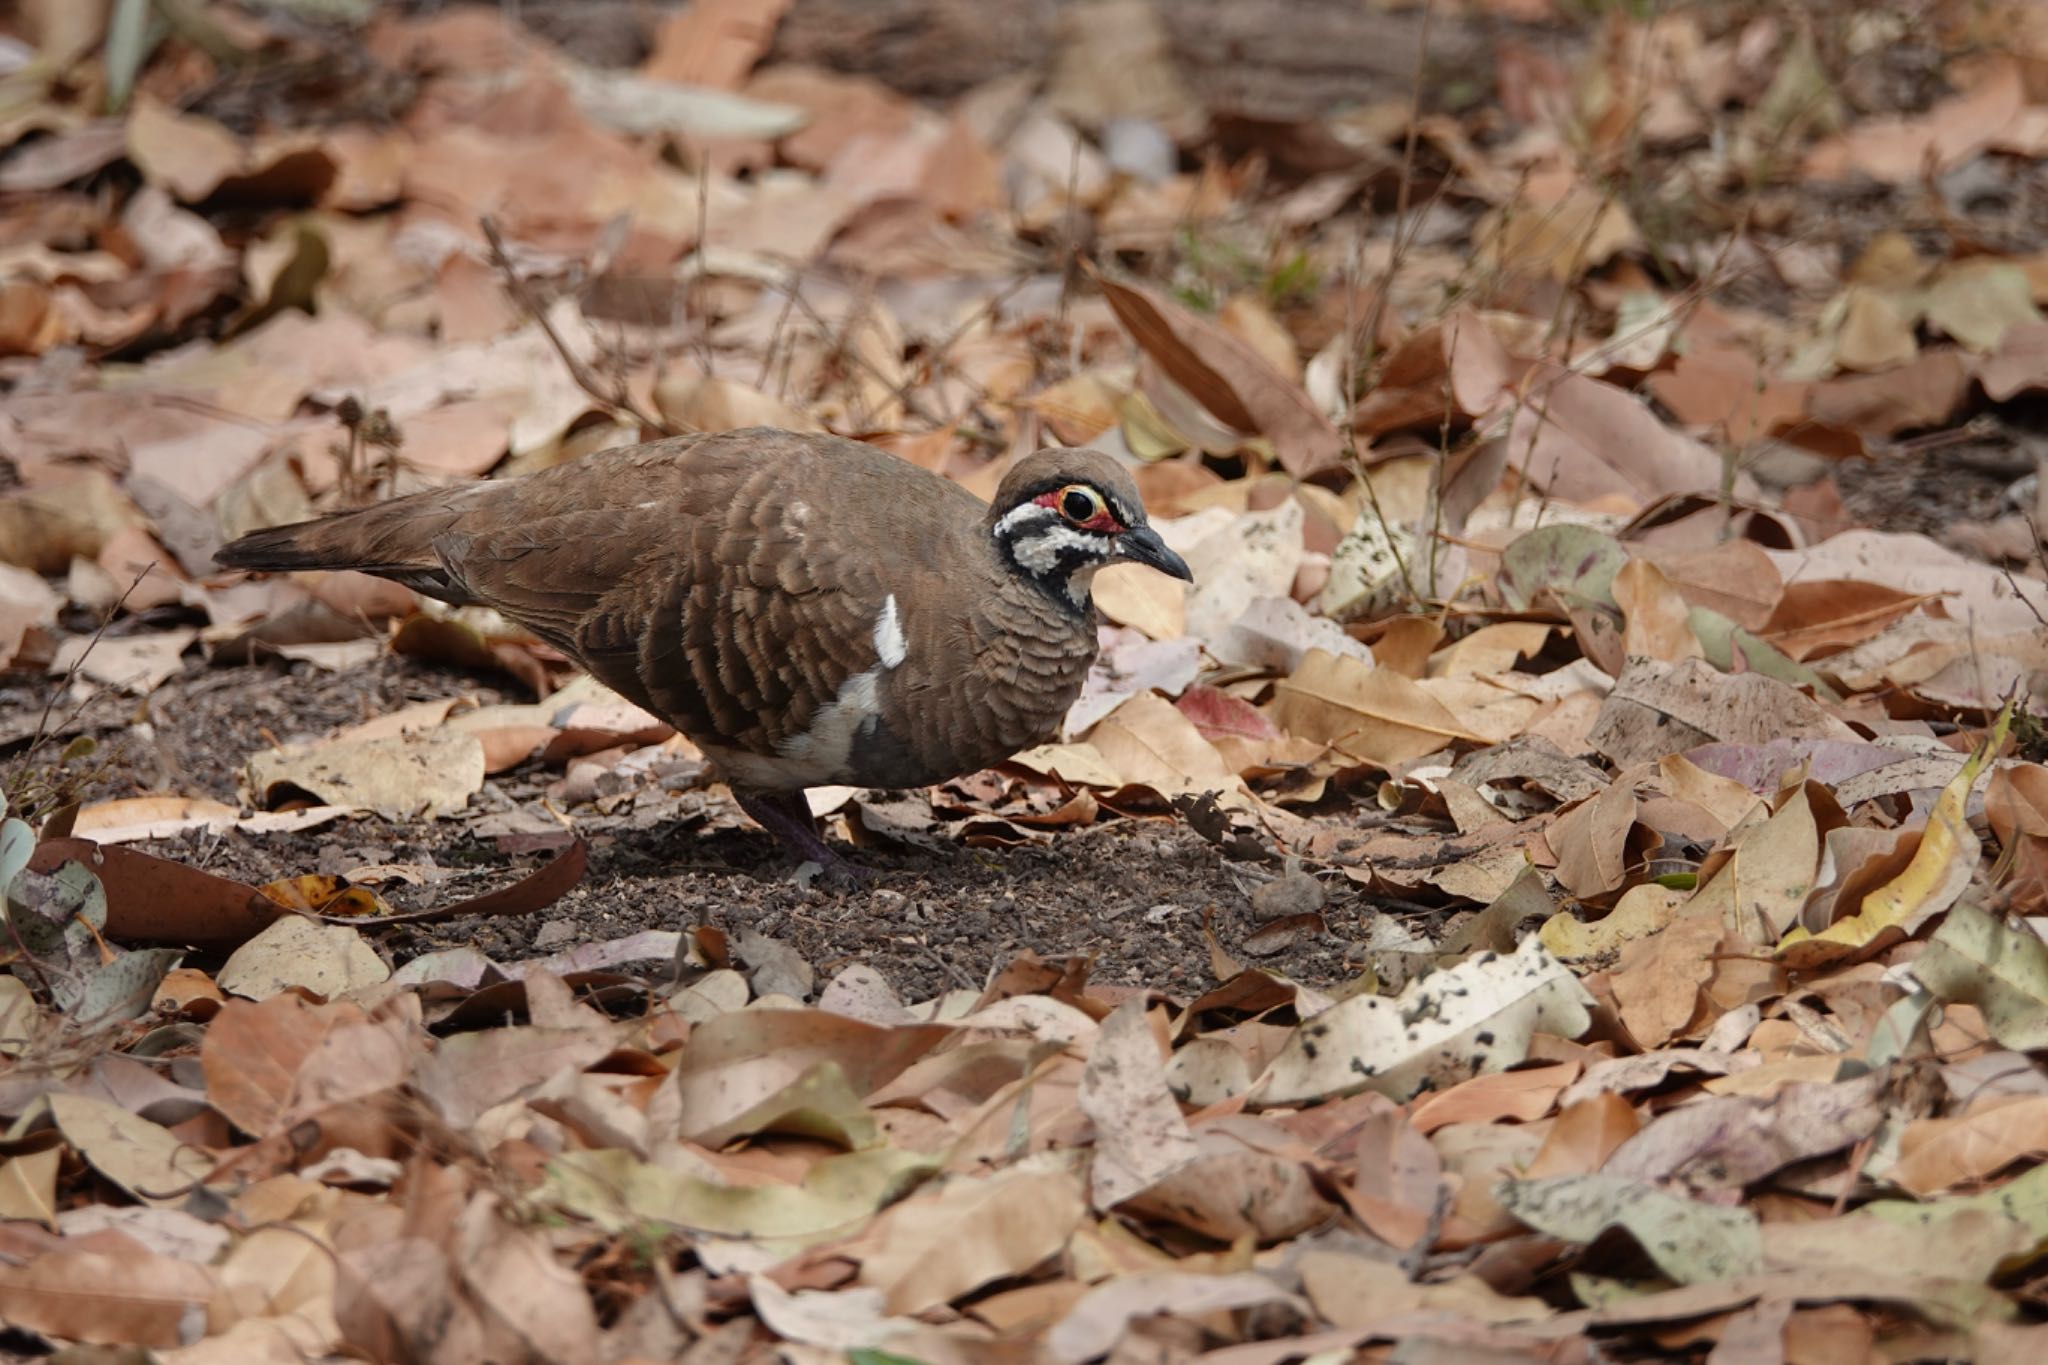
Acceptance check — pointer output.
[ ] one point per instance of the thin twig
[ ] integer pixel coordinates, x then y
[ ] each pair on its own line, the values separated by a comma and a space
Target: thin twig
617, 400
42, 732
843, 350
703, 242
775, 335
1353, 336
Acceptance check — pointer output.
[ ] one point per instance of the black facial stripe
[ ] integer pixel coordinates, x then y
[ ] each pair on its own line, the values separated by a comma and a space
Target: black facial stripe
1047, 552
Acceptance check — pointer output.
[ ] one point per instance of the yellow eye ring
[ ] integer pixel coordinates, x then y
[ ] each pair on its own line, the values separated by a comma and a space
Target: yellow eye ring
1080, 504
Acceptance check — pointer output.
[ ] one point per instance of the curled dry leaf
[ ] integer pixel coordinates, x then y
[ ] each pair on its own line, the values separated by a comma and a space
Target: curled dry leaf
1940, 870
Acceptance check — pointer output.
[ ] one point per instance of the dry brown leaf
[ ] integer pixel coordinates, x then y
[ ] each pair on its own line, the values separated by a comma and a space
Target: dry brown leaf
1140, 1136
710, 403
1591, 842
1734, 577
1816, 617
1731, 394
1147, 741
1942, 1153
269, 1064
1586, 1133
1877, 330
1655, 616
1522, 1096
1657, 981
1352, 1291
1559, 228
713, 44
124, 1296
1580, 439
1924, 392
418, 775
1397, 1178
1228, 377
2020, 364
1373, 715
1656, 709
1144, 599
1900, 149
1246, 317
1236, 1186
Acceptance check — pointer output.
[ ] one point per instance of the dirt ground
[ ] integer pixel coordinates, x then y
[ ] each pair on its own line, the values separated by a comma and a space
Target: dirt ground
1133, 894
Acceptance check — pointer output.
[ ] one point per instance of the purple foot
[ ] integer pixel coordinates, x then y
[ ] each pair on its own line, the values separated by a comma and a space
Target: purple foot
787, 816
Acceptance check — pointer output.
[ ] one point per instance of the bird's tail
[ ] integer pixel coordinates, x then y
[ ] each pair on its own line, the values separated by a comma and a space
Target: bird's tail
393, 540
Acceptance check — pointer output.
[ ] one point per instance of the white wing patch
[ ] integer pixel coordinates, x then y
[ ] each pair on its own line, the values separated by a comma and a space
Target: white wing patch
821, 754
890, 646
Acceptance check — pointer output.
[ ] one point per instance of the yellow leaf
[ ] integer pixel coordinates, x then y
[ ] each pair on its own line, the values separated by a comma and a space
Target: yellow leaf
1930, 884
1642, 910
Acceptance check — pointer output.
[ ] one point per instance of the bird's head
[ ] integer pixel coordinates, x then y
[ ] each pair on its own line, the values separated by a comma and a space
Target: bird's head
1062, 514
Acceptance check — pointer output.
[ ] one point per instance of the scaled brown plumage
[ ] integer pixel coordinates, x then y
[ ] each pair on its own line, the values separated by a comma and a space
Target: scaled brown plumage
807, 609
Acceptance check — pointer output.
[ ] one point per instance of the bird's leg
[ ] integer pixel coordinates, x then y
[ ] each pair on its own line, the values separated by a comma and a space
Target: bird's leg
787, 816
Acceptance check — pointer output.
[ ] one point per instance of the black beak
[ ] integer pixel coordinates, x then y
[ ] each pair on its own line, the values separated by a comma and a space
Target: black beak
1142, 545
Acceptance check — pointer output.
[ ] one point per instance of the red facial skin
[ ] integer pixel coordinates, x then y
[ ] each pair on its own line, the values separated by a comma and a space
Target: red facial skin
1104, 521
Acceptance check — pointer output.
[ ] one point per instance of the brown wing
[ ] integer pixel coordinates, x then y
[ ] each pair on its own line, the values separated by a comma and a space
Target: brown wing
735, 595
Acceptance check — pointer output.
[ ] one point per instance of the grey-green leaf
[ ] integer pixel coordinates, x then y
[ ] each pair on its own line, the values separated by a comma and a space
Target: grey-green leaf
2002, 971
1689, 1241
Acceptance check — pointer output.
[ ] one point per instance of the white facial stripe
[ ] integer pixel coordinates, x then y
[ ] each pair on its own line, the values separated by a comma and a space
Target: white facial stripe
1079, 583
890, 646
1039, 551
1022, 513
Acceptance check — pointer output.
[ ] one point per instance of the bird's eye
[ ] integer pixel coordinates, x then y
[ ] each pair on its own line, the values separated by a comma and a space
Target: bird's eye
1080, 504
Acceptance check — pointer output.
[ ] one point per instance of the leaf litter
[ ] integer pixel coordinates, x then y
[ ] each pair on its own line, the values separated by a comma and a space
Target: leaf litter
1644, 861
